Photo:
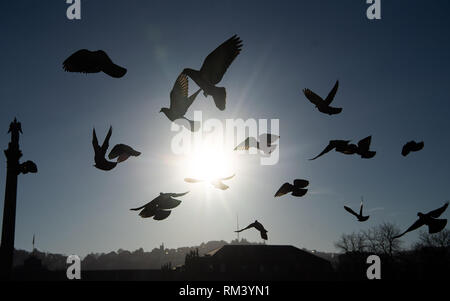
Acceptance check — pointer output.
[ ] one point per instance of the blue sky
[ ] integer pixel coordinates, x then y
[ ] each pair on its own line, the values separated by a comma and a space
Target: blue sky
393, 77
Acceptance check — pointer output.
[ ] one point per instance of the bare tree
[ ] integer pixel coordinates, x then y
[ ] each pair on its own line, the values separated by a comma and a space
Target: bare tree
437, 240
380, 239
351, 243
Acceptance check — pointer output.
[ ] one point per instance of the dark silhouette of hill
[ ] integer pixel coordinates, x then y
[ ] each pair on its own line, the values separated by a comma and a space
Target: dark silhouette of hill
124, 259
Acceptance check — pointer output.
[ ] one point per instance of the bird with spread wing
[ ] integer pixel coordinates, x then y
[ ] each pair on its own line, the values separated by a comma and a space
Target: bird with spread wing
264, 143
323, 105
298, 189
160, 207
217, 183
213, 69
86, 61
429, 219
120, 151
359, 216
347, 148
100, 152
180, 101
412, 146
258, 226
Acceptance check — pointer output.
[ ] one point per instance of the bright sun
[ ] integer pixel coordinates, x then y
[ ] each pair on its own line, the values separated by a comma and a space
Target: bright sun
209, 161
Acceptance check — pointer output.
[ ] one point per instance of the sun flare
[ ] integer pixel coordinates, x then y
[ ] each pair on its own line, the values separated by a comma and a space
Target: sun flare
209, 161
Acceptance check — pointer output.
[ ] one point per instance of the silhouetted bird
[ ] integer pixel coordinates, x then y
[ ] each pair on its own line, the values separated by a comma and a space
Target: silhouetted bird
343, 146
412, 146
122, 152
86, 61
28, 166
363, 148
430, 219
323, 105
100, 152
263, 143
359, 216
180, 101
298, 189
217, 183
160, 207
213, 69
258, 226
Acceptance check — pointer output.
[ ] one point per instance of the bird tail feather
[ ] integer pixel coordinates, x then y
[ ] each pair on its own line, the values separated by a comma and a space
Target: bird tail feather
436, 225
219, 95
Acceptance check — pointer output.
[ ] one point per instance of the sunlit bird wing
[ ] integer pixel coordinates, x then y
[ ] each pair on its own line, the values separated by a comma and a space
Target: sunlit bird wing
267, 139
247, 143
227, 178
218, 61
285, 188
219, 185
179, 93
192, 180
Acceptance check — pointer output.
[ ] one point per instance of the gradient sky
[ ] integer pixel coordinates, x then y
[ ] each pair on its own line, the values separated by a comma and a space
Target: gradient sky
394, 85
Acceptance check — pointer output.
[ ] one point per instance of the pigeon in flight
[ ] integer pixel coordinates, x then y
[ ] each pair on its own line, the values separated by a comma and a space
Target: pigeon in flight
122, 152
430, 219
86, 61
343, 146
100, 152
298, 189
160, 207
217, 183
258, 226
214, 67
263, 143
180, 101
323, 105
412, 146
363, 148
359, 216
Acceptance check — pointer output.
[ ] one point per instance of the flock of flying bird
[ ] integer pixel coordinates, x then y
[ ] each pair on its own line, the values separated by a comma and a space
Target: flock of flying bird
210, 74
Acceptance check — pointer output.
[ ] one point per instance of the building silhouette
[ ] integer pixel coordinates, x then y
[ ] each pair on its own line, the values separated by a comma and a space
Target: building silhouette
258, 262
